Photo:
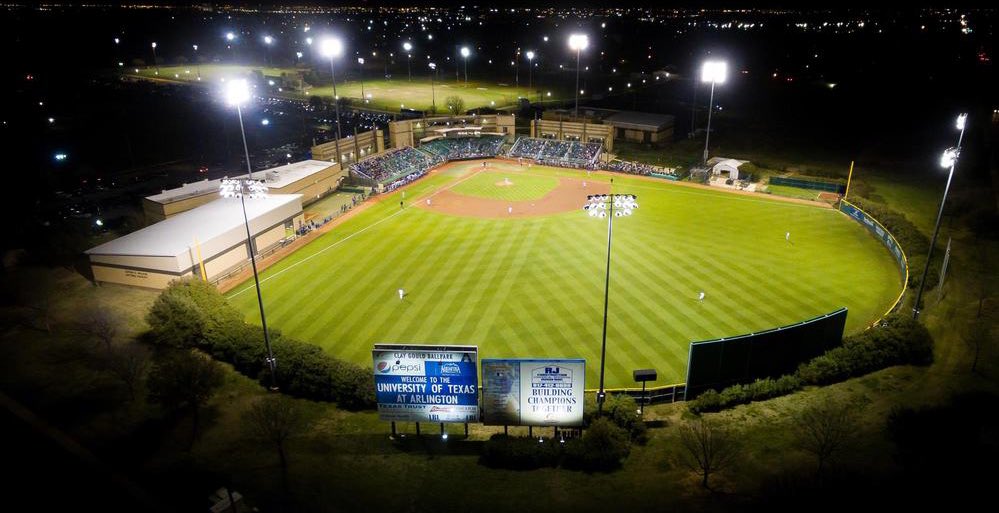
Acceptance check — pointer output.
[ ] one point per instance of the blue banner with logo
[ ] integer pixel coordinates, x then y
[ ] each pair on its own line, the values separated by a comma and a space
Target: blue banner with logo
426, 383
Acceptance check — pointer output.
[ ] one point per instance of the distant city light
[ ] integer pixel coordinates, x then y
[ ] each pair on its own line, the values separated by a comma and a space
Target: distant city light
265, 121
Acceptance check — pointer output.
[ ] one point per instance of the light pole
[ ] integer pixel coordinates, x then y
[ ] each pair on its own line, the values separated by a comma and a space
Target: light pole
268, 41
714, 72
433, 95
947, 160
237, 93
230, 38
409, 58
360, 74
465, 52
530, 71
197, 64
155, 64
516, 69
332, 48
609, 206
578, 42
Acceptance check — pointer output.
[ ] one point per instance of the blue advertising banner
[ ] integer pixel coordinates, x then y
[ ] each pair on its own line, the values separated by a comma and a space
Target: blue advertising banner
879, 231
418, 383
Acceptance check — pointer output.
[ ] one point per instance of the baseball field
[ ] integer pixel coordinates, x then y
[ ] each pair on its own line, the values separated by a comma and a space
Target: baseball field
503, 257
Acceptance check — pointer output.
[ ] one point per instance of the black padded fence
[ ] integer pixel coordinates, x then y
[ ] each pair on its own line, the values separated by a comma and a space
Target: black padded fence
802, 183
727, 361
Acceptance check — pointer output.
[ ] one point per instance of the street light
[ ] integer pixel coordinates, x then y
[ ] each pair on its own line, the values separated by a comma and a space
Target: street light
433, 95
155, 64
465, 52
360, 73
332, 47
241, 188
714, 72
409, 57
609, 206
578, 42
947, 160
197, 64
530, 71
268, 40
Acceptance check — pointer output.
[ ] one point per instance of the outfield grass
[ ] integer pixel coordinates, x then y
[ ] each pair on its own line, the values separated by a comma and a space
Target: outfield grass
534, 286
523, 187
384, 94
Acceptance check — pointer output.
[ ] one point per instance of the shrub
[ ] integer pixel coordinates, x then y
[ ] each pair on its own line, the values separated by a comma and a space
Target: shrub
352, 385
603, 445
622, 410
502, 451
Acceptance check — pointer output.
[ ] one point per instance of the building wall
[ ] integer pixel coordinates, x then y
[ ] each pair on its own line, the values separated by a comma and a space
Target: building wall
572, 130
408, 131
156, 212
222, 263
134, 277
314, 186
269, 238
367, 143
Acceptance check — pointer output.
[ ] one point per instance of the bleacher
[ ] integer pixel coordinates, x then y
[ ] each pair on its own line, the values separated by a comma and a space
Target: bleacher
464, 147
396, 165
558, 153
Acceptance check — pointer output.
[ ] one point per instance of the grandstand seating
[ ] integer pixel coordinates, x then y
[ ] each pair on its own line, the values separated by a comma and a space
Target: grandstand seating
395, 165
464, 147
559, 153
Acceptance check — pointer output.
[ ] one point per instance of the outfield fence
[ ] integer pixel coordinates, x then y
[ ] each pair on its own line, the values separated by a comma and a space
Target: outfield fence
888, 240
803, 183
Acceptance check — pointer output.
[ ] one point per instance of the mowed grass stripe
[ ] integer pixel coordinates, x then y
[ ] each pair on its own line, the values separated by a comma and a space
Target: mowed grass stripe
534, 286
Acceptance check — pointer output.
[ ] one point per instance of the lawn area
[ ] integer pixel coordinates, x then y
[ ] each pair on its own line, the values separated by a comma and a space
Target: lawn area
523, 187
382, 94
532, 287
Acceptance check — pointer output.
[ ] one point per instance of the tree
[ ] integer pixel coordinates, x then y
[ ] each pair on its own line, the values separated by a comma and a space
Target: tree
100, 324
455, 105
189, 311
708, 448
185, 380
129, 362
977, 335
275, 419
824, 431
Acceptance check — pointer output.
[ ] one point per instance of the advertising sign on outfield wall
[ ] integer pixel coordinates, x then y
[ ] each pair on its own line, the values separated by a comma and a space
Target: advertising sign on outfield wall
415, 383
533, 392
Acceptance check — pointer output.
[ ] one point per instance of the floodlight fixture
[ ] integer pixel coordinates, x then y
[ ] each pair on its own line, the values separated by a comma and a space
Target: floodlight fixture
268, 40
237, 92
579, 42
714, 72
465, 52
961, 119
949, 157
331, 47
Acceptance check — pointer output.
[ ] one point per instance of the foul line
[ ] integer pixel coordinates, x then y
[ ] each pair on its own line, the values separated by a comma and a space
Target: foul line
345, 239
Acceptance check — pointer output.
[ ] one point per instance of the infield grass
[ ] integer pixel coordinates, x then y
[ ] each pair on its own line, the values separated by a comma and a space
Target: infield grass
523, 187
533, 287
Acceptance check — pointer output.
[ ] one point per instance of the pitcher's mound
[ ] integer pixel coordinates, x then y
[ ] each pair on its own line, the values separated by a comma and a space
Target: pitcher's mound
503, 184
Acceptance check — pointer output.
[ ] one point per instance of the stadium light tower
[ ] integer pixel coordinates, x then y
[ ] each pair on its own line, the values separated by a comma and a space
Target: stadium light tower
197, 64
578, 42
530, 70
155, 64
332, 48
714, 72
609, 206
237, 92
465, 52
947, 160
433, 95
409, 58
241, 188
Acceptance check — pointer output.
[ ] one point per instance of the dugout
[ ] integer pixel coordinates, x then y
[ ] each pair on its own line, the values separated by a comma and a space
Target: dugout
742, 359
208, 241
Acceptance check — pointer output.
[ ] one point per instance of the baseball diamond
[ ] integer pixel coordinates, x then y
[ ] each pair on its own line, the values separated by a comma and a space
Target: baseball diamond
504, 258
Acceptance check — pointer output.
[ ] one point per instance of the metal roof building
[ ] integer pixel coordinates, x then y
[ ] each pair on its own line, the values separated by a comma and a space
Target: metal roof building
208, 241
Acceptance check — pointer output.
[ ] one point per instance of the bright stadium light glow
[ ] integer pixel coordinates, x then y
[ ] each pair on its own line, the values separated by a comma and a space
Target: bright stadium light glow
265, 121
308, 41
154, 45
237, 92
407, 46
268, 40
229, 36
61, 156
530, 55
961, 119
360, 60
579, 42
331, 47
465, 52
241, 187
949, 157
714, 72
